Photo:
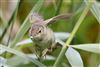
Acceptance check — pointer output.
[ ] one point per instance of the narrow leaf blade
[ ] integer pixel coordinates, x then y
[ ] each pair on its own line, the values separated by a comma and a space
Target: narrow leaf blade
95, 9
74, 57
22, 55
95, 48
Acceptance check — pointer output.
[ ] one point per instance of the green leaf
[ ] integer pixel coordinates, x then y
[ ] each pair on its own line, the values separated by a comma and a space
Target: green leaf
21, 62
60, 42
22, 55
16, 58
74, 58
24, 42
26, 25
95, 48
61, 35
3, 62
11, 20
95, 9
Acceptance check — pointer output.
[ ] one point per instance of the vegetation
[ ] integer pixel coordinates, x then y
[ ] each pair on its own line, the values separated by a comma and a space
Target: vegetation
77, 37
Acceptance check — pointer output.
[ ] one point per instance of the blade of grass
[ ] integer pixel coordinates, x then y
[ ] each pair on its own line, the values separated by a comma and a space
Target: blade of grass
57, 11
3, 21
12, 19
77, 25
21, 55
95, 9
59, 3
95, 48
12, 23
26, 25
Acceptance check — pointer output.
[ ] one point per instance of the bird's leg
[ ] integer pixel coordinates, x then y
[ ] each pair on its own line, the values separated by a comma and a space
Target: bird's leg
44, 52
36, 53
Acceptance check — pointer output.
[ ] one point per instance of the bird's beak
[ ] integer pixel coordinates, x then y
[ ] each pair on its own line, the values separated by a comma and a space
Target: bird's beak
31, 37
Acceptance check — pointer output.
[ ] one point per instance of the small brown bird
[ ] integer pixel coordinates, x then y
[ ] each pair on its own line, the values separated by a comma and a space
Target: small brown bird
41, 35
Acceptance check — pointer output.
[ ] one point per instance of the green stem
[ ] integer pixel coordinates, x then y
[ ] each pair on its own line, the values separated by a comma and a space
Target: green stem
59, 4
71, 36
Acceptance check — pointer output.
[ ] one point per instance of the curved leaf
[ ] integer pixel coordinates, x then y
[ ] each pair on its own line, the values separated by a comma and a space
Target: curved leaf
74, 57
22, 55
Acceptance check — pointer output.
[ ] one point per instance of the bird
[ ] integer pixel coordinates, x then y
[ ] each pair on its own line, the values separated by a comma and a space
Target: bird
42, 35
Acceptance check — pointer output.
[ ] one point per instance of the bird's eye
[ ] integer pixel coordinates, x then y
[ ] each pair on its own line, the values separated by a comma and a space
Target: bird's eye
39, 31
